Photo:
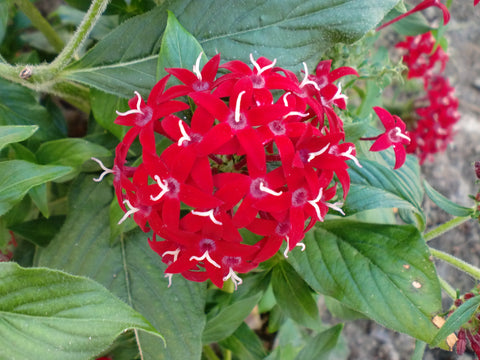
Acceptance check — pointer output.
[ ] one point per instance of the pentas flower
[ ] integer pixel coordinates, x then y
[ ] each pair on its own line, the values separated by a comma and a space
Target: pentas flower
394, 136
420, 57
245, 162
425, 4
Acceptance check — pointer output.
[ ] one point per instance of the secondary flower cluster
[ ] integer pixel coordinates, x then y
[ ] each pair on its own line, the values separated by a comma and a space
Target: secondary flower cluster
436, 113
254, 159
469, 333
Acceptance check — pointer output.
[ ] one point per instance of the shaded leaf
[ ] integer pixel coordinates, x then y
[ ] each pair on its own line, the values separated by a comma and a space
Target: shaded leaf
130, 269
17, 177
13, 134
48, 314
444, 203
382, 271
39, 231
245, 344
320, 347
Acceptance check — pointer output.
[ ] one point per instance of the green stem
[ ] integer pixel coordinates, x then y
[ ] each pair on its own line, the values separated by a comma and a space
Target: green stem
432, 234
40, 23
81, 34
456, 262
447, 288
209, 353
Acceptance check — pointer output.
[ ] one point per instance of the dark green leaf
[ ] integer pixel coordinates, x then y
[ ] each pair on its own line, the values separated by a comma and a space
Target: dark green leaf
13, 134
320, 347
245, 344
382, 271
48, 314
270, 28
39, 196
294, 296
459, 317
19, 106
39, 231
376, 186
17, 177
444, 203
103, 108
179, 48
229, 319
130, 269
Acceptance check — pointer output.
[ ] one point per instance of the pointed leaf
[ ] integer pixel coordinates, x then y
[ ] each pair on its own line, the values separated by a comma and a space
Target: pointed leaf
130, 269
17, 177
382, 271
13, 134
245, 344
376, 186
179, 48
444, 203
48, 314
321, 346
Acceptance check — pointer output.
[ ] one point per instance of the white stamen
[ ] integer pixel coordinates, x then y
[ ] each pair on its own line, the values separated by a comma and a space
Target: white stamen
263, 188
295, 113
133, 111
313, 155
174, 253
132, 210
169, 276
105, 170
185, 136
285, 101
315, 205
237, 106
206, 256
306, 80
285, 253
338, 94
208, 213
163, 186
301, 245
259, 69
336, 207
235, 278
398, 132
196, 67
349, 155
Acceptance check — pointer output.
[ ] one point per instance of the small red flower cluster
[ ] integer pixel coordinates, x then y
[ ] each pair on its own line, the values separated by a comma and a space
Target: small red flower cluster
469, 333
254, 149
437, 111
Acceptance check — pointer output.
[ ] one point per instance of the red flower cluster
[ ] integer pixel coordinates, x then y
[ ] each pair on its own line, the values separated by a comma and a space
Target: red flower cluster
437, 112
254, 149
469, 333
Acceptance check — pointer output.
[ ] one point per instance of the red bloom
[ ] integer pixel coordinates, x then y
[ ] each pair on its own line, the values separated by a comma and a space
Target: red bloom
394, 136
422, 6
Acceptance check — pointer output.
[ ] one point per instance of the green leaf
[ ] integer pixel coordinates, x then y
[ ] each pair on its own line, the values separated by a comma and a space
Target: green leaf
103, 108
229, 319
13, 134
70, 151
245, 344
48, 314
320, 347
294, 296
179, 48
444, 203
376, 186
267, 28
17, 177
39, 196
4, 12
39, 231
459, 317
19, 106
126, 59
382, 271
130, 269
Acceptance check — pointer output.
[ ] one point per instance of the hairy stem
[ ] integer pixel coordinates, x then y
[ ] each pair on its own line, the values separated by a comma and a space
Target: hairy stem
39, 22
81, 34
456, 262
451, 224
447, 288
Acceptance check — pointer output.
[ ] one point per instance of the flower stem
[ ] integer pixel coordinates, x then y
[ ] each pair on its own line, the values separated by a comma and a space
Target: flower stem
81, 34
456, 262
40, 23
447, 288
209, 353
432, 234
